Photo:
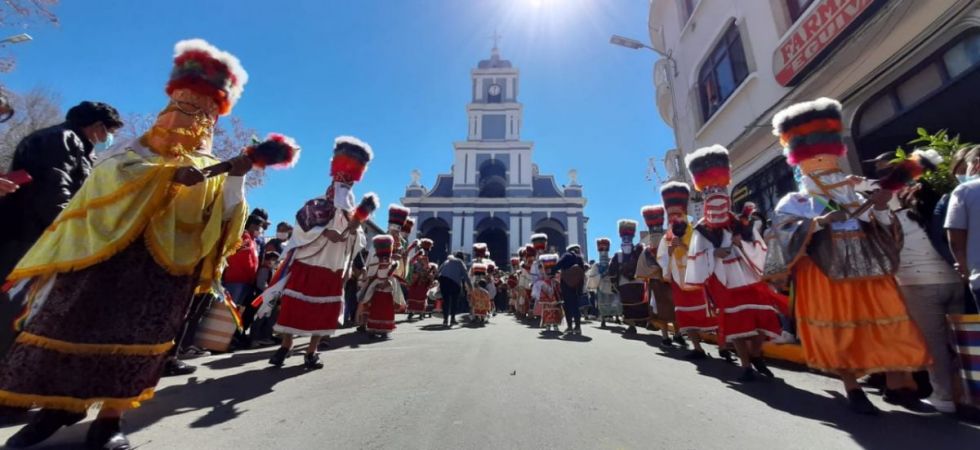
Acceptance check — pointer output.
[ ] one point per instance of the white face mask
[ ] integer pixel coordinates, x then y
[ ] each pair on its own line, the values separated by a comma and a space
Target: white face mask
627, 248
282, 235
343, 198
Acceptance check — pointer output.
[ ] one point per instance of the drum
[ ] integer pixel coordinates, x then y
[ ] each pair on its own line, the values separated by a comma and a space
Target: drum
966, 329
217, 328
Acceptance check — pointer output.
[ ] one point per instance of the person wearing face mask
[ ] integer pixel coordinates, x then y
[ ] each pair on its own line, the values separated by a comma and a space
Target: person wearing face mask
278, 244
622, 272
58, 159
726, 259
842, 259
327, 235
963, 222
110, 281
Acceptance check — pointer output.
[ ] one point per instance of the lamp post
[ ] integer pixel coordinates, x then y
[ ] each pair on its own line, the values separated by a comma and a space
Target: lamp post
16, 39
636, 45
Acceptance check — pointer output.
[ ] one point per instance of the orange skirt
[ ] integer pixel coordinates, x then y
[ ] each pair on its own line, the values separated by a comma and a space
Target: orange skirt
856, 326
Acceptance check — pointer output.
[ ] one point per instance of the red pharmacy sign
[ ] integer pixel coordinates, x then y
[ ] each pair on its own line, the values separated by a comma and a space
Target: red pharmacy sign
813, 34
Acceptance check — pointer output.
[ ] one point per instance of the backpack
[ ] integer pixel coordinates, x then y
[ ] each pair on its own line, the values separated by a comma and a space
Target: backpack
573, 276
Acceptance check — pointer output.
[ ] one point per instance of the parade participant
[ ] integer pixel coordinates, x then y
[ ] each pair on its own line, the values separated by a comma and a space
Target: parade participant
93, 336
512, 282
691, 312
452, 280
540, 243
650, 271
572, 269
622, 272
481, 255
500, 299
382, 292
525, 282
851, 318
607, 300
727, 260
420, 278
326, 238
480, 299
547, 295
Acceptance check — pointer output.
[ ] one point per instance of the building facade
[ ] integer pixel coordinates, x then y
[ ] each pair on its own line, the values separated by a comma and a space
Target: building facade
494, 193
895, 65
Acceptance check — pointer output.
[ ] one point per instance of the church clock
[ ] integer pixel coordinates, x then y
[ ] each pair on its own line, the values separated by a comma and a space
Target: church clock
494, 92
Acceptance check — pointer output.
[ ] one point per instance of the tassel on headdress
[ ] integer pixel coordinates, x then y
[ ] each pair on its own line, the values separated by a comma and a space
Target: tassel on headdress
369, 203
902, 169
277, 151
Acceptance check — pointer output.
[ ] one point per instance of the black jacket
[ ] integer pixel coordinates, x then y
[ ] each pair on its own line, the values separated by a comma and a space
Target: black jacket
59, 159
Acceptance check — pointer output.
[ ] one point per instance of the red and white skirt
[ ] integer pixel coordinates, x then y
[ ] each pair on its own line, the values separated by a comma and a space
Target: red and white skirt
381, 313
312, 301
551, 313
417, 297
691, 311
745, 311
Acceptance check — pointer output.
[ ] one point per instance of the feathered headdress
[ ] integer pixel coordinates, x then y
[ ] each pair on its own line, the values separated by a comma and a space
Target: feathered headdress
709, 167
548, 261
539, 240
407, 227
203, 68
515, 261
383, 244
479, 269
479, 250
653, 216
350, 159
397, 215
675, 195
277, 151
369, 203
907, 168
627, 229
574, 247
809, 129
603, 244
530, 251
426, 244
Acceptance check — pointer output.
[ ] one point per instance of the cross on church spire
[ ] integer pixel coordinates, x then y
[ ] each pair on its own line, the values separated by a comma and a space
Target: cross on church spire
496, 37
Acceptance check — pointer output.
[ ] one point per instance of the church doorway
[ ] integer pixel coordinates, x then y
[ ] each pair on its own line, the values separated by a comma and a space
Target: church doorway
438, 231
493, 232
556, 235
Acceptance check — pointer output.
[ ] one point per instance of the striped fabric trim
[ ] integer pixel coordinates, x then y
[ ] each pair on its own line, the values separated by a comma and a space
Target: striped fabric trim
690, 308
731, 337
741, 308
298, 332
311, 298
72, 404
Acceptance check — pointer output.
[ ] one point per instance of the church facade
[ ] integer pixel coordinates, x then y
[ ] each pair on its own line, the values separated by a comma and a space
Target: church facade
494, 192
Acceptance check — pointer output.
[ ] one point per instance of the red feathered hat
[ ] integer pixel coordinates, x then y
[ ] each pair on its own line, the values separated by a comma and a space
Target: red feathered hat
479, 250
676, 196
277, 151
530, 251
407, 227
479, 269
709, 167
809, 129
397, 215
426, 244
603, 244
540, 241
202, 68
350, 159
653, 216
383, 244
627, 229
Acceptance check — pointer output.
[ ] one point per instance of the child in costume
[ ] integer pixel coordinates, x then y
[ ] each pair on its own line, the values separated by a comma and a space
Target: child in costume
546, 294
382, 293
481, 302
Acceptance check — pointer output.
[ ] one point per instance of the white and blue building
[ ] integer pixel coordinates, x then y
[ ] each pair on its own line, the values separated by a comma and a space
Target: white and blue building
494, 192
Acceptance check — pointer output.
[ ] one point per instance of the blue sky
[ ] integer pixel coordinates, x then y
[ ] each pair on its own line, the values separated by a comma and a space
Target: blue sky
394, 73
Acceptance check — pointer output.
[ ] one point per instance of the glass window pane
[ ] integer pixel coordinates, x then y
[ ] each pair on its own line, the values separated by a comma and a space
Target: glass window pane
920, 85
962, 56
726, 78
739, 65
876, 113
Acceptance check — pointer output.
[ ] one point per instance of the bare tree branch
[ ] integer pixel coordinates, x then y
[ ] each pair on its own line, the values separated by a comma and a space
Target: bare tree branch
35, 109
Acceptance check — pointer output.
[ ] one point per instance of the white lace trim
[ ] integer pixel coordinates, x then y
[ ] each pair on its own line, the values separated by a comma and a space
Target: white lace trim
731, 337
313, 299
298, 332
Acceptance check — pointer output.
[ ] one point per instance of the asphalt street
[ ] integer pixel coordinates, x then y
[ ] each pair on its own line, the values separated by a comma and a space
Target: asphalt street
506, 386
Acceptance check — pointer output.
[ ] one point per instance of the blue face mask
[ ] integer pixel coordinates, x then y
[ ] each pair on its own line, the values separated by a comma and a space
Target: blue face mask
962, 178
104, 145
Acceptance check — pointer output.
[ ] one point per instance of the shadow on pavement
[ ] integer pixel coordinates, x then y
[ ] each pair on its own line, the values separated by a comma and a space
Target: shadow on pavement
576, 338
435, 327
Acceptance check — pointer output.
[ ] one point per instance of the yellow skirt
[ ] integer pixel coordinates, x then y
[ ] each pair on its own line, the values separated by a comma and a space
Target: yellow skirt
856, 326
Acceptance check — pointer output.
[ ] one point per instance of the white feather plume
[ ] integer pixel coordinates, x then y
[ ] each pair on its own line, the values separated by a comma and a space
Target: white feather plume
795, 110
229, 60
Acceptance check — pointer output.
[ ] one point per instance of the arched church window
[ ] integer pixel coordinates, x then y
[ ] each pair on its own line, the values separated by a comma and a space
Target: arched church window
493, 179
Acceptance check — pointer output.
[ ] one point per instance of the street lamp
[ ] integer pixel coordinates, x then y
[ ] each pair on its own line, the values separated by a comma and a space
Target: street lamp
16, 39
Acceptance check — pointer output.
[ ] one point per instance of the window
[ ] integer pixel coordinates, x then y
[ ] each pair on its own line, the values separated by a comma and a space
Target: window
722, 72
796, 8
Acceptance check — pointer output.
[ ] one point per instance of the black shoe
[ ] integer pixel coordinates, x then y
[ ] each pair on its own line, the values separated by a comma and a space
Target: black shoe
602, 324
279, 357
906, 398
859, 403
445, 324
726, 355
631, 330
107, 434
666, 343
578, 330
312, 361
762, 368
42, 426
679, 340
453, 322
694, 355
409, 318
747, 376
569, 330
174, 367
